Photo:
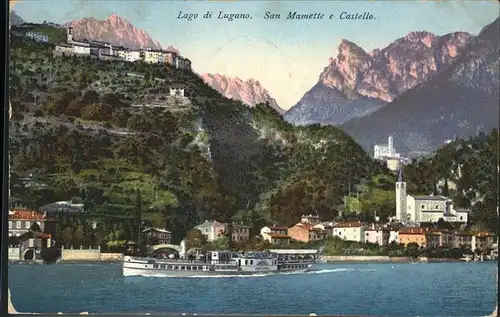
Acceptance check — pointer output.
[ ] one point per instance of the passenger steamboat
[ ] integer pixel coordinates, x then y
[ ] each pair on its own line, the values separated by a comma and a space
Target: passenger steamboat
223, 263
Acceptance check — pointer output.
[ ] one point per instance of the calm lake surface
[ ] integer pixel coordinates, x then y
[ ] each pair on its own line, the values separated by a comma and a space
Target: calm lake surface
390, 289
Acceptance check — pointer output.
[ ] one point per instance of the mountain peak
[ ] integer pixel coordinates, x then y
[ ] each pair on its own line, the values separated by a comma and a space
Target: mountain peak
248, 91
116, 30
14, 18
356, 83
115, 19
385, 73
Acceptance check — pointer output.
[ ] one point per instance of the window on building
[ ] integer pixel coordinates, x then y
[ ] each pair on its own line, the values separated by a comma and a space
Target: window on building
10, 224
422, 206
26, 224
461, 218
437, 206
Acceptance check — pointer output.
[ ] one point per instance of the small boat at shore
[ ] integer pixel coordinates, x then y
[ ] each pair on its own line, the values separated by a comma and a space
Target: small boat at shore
223, 263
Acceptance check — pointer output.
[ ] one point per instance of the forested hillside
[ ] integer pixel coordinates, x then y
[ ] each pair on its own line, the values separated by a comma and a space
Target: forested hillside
109, 134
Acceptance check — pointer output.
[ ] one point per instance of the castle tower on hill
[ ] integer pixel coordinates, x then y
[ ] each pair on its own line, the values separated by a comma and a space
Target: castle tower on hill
401, 211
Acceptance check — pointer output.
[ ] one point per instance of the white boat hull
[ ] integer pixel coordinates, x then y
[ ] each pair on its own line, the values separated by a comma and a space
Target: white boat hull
179, 273
159, 268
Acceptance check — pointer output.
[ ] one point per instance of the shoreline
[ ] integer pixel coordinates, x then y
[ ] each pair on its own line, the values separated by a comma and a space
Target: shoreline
385, 259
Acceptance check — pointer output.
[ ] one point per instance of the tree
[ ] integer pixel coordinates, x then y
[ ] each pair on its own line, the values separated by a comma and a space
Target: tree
221, 243
195, 239
35, 227
446, 189
91, 112
412, 249
78, 235
138, 214
67, 236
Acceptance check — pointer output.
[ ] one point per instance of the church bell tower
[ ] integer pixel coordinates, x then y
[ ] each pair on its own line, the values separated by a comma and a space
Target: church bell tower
401, 211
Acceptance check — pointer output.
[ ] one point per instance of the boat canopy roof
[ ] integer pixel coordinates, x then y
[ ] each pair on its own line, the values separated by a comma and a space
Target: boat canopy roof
294, 251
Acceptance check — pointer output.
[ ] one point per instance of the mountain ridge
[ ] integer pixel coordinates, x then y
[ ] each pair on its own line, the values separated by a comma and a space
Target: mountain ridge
116, 30
375, 78
460, 101
250, 91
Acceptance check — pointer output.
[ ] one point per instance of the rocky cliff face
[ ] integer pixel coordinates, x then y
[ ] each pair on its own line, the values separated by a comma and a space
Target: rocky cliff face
362, 82
15, 19
460, 101
115, 30
249, 92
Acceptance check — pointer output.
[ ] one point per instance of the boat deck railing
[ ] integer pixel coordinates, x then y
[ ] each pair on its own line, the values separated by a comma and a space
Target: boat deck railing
185, 261
295, 261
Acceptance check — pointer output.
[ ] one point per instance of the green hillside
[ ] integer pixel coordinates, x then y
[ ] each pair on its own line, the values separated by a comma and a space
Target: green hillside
55, 35
79, 130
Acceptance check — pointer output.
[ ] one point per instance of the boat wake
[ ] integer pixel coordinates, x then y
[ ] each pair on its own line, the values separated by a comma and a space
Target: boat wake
310, 271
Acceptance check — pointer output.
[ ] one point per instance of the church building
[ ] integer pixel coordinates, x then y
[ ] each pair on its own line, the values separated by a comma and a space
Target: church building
410, 208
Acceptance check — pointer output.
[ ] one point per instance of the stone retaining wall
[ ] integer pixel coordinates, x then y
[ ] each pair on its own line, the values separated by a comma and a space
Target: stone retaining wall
89, 255
14, 254
111, 257
92, 255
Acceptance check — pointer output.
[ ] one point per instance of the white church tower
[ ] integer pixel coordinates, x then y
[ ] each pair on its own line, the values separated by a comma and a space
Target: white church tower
69, 35
401, 211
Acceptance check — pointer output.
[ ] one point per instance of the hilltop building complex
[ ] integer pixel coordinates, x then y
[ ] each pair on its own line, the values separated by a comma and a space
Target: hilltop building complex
106, 51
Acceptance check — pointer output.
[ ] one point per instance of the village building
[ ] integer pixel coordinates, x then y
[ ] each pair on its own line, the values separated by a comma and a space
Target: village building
440, 238
152, 56
432, 237
65, 206
32, 243
462, 239
350, 231
306, 232
20, 221
129, 55
212, 229
327, 227
170, 58
40, 38
240, 232
82, 48
155, 236
377, 235
310, 219
422, 209
482, 241
275, 235
416, 235
176, 91
106, 51
393, 236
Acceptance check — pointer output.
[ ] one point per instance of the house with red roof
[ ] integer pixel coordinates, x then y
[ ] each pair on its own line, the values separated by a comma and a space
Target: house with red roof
275, 234
305, 232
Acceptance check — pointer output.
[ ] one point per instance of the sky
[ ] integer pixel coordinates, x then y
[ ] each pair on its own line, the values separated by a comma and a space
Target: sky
286, 56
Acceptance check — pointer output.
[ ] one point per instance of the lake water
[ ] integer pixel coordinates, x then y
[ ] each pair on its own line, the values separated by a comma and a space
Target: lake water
391, 289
